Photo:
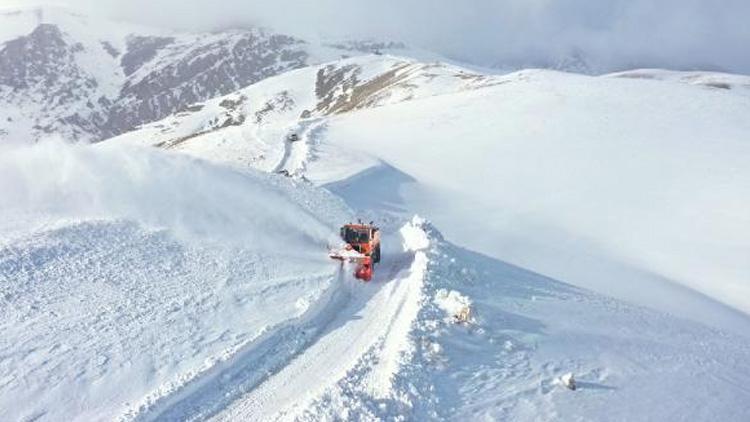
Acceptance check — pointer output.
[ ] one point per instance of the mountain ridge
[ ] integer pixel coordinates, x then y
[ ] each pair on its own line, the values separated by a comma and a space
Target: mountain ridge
103, 78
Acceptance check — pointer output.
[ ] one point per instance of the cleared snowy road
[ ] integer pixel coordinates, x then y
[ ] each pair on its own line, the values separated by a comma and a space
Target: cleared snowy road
378, 315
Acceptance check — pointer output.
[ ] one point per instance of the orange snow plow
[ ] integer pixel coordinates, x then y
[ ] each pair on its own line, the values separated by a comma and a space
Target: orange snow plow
362, 247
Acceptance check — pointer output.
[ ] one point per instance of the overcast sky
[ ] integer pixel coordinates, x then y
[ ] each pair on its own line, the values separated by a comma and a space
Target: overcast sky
613, 34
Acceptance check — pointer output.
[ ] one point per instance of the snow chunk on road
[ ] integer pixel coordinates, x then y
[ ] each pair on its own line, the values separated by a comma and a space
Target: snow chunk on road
453, 303
567, 380
415, 238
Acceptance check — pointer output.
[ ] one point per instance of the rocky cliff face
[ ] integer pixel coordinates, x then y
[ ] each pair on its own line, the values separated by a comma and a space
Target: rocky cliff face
169, 75
39, 76
86, 81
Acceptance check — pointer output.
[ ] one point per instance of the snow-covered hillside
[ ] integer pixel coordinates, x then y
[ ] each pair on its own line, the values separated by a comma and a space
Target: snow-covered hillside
127, 274
595, 180
65, 74
251, 127
142, 285
736, 83
613, 184
192, 281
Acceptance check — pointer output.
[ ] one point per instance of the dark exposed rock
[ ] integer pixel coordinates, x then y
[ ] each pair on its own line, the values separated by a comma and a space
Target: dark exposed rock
366, 46
109, 48
194, 108
718, 85
43, 64
141, 50
202, 72
43, 72
280, 102
26, 61
327, 81
231, 104
339, 89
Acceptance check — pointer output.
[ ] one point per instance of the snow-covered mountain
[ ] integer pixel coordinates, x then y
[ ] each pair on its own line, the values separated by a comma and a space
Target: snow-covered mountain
252, 125
557, 144
143, 285
593, 226
82, 78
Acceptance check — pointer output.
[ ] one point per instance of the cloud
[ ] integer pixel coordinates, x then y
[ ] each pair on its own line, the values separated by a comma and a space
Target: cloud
611, 34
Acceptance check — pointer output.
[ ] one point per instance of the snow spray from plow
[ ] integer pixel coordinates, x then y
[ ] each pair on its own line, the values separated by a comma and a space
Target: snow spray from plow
193, 199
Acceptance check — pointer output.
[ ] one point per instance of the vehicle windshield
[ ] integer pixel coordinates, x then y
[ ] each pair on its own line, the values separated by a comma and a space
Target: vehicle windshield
356, 236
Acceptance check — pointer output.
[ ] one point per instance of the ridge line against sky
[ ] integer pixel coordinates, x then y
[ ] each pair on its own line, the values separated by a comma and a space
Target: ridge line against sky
607, 35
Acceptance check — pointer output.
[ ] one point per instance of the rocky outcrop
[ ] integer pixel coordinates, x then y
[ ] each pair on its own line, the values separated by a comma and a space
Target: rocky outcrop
47, 85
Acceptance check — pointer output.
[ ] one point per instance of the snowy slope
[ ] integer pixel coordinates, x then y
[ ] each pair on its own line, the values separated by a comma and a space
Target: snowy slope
707, 80
187, 321
602, 182
596, 180
128, 273
208, 295
630, 363
251, 127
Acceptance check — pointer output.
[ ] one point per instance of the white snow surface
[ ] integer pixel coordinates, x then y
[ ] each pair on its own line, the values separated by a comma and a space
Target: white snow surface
626, 184
562, 169
588, 177
139, 271
140, 284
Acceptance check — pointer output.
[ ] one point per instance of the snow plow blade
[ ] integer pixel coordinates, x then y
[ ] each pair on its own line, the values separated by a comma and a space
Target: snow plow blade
346, 256
364, 262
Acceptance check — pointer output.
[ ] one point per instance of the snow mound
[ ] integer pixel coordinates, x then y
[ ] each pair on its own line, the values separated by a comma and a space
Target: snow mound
452, 302
414, 235
567, 380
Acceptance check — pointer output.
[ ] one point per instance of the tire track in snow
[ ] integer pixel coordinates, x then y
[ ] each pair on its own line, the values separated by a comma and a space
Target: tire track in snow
210, 391
297, 153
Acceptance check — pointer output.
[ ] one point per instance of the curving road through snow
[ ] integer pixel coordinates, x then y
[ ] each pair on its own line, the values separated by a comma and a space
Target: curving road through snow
379, 315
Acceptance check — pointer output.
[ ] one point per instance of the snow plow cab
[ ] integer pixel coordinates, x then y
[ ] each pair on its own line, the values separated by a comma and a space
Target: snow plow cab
362, 247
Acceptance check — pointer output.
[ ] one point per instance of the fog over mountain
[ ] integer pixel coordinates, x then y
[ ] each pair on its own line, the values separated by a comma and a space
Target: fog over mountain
607, 35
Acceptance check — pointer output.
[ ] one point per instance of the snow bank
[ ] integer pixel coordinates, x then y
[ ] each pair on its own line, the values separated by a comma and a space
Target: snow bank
538, 337
415, 238
193, 199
